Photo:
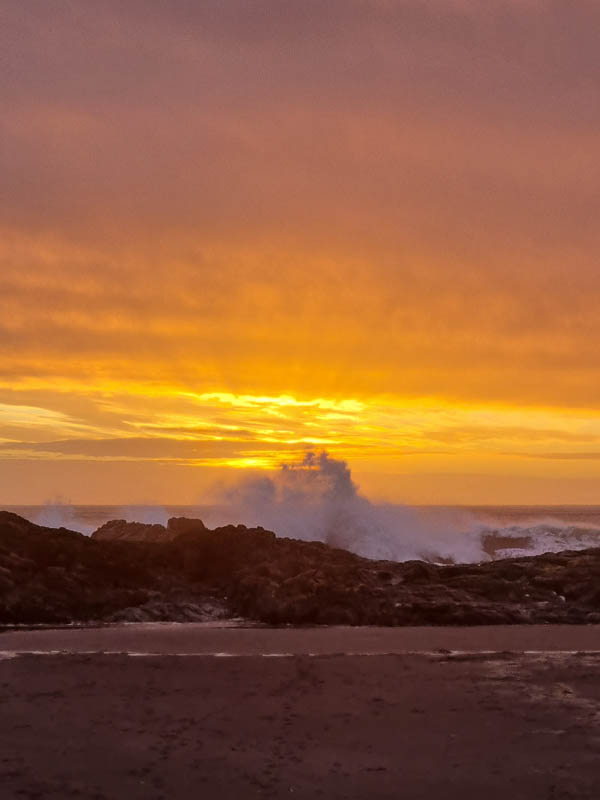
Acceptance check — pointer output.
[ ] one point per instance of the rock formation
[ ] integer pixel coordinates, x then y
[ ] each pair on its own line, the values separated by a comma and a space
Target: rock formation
130, 571
177, 525
120, 530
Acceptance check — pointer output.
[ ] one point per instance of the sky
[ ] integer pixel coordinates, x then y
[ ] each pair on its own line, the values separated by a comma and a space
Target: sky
237, 230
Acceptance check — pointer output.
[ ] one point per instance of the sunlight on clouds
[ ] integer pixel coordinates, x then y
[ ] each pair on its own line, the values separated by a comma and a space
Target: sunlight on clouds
196, 432
251, 401
375, 430
247, 463
30, 416
219, 267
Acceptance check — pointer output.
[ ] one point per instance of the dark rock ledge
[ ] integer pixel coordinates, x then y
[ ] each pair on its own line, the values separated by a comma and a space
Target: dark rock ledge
185, 572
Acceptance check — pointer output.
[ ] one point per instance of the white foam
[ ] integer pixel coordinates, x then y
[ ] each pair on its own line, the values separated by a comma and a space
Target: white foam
7, 654
316, 499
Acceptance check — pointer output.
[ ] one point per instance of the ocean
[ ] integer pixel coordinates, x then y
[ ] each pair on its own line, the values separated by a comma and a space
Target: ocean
396, 532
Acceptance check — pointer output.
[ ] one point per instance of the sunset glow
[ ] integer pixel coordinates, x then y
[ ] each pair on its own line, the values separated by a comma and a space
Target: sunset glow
220, 249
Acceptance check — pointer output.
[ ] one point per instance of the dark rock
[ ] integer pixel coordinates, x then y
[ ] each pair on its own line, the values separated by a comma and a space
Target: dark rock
177, 525
493, 543
119, 529
172, 611
135, 572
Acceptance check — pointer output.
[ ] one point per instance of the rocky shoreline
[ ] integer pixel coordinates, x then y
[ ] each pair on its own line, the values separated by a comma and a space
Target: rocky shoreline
132, 572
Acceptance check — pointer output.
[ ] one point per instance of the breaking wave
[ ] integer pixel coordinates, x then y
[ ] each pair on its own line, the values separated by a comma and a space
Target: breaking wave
316, 498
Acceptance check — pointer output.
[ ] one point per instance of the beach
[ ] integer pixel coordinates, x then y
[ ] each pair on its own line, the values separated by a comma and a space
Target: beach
176, 711
299, 400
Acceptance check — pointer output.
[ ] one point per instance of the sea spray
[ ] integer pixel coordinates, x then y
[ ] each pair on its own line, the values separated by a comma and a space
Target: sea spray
58, 513
316, 498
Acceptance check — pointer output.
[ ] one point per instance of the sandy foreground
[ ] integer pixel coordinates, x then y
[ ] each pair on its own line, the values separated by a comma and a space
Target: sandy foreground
403, 719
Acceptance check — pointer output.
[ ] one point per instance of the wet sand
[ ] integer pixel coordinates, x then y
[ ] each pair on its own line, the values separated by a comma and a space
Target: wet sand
211, 638
167, 727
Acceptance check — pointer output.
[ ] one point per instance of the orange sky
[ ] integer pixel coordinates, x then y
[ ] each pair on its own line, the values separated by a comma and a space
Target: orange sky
233, 231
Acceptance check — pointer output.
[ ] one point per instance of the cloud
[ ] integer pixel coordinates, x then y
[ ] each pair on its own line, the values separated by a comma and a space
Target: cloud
155, 448
236, 118
367, 201
479, 435
582, 456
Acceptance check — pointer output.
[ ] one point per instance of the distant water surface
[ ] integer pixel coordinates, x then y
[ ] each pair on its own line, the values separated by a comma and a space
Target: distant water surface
436, 533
